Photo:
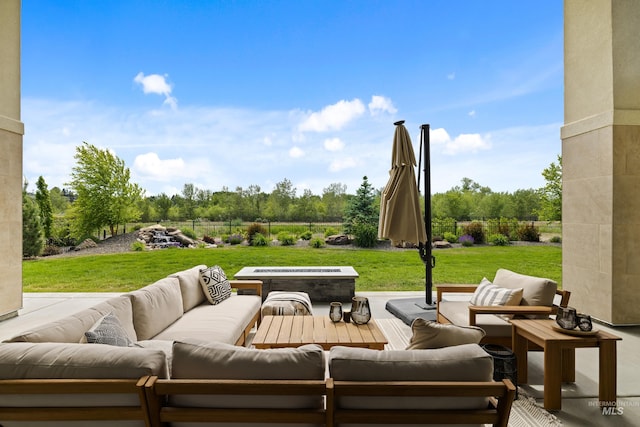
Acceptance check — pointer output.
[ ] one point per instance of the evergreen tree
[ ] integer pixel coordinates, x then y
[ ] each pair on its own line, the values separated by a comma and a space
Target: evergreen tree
32, 238
43, 199
361, 216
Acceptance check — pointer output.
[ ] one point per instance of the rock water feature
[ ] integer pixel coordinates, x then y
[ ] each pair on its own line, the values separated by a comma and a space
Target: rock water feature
160, 237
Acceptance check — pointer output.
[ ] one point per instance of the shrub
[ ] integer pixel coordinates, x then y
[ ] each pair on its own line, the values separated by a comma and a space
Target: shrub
259, 239
556, 239
316, 242
475, 229
499, 239
138, 246
208, 239
330, 231
286, 239
466, 240
450, 237
528, 233
365, 235
189, 233
234, 239
307, 235
254, 229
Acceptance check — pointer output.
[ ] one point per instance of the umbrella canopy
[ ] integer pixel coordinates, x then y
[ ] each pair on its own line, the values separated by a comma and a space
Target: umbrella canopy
401, 220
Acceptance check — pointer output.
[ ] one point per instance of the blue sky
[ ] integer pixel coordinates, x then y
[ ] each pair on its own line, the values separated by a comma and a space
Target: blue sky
237, 93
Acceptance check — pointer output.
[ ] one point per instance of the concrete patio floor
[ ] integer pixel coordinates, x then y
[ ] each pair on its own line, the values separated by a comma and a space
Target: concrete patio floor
579, 399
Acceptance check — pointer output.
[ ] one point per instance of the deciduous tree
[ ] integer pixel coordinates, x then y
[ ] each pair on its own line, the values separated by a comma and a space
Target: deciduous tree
106, 197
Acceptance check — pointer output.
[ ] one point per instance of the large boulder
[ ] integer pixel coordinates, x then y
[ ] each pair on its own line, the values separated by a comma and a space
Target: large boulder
338, 239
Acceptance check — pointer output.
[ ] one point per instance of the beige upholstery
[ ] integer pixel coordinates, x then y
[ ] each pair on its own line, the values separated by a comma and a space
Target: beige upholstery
468, 362
457, 312
64, 360
190, 287
535, 290
156, 306
71, 328
222, 322
427, 334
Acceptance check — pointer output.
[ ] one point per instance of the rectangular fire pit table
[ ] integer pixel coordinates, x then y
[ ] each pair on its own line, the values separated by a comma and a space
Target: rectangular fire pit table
323, 284
560, 358
294, 331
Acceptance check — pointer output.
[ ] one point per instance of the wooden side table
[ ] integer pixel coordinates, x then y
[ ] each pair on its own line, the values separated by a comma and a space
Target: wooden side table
294, 331
560, 358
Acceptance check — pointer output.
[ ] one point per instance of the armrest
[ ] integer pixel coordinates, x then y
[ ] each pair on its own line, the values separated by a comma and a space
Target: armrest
255, 285
507, 309
441, 289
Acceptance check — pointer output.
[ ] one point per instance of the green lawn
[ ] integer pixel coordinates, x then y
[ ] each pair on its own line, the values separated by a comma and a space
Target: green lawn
379, 270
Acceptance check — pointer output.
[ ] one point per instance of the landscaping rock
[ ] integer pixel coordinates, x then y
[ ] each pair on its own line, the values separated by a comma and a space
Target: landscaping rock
337, 239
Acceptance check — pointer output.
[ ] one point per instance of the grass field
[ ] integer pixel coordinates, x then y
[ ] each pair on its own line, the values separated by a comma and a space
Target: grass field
379, 270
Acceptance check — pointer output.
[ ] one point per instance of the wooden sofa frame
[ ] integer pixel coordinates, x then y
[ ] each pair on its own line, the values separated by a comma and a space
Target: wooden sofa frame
254, 287
154, 411
517, 310
139, 412
500, 394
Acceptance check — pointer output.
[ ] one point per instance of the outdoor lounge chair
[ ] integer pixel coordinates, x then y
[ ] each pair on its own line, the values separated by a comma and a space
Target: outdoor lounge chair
540, 298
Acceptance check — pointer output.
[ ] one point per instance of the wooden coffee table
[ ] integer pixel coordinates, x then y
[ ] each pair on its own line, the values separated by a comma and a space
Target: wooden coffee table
560, 358
294, 331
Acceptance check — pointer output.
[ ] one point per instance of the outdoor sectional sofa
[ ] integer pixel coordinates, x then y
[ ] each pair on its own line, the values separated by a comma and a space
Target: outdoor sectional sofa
186, 366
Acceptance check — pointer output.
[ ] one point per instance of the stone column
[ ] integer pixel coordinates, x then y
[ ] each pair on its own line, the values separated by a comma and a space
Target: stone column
11, 131
601, 159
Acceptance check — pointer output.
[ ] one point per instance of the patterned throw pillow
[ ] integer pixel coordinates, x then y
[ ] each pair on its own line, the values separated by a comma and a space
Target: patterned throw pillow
108, 330
489, 294
215, 284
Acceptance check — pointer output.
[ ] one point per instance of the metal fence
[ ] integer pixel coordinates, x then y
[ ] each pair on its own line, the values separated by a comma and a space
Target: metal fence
438, 227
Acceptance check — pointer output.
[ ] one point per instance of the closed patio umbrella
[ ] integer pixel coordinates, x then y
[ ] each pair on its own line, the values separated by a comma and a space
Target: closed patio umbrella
400, 218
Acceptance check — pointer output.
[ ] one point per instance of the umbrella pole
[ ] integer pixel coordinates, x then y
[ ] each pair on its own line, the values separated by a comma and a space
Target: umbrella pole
425, 250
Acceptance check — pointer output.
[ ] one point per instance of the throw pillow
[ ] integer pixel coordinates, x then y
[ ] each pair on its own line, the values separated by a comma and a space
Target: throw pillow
428, 334
108, 330
489, 294
215, 284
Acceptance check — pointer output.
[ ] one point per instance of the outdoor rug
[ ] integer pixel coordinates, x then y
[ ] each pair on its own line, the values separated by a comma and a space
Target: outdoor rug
525, 411
407, 309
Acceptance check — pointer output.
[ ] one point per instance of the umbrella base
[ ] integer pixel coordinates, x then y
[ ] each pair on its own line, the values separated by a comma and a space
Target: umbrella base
408, 309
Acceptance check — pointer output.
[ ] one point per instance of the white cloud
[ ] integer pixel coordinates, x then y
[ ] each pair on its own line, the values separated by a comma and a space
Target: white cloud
380, 104
296, 152
149, 165
333, 144
157, 84
463, 143
472, 113
451, 76
343, 163
333, 117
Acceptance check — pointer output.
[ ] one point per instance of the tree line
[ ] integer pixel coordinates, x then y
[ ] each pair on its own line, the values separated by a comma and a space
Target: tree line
100, 194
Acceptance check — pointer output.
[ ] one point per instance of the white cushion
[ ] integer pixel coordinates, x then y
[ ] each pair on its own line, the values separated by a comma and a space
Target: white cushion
156, 306
215, 284
489, 294
428, 334
190, 287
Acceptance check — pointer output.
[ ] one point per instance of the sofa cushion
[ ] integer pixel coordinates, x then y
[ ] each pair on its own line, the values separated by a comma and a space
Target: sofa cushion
215, 284
108, 330
195, 359
457, 312
428, 334
156, 306
468, 362
190, 288
71, 328
74, 360
489, 294
224, 322
535, 290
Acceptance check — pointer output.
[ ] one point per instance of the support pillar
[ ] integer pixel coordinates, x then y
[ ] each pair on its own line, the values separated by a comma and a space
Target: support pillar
601, 159
11, 131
